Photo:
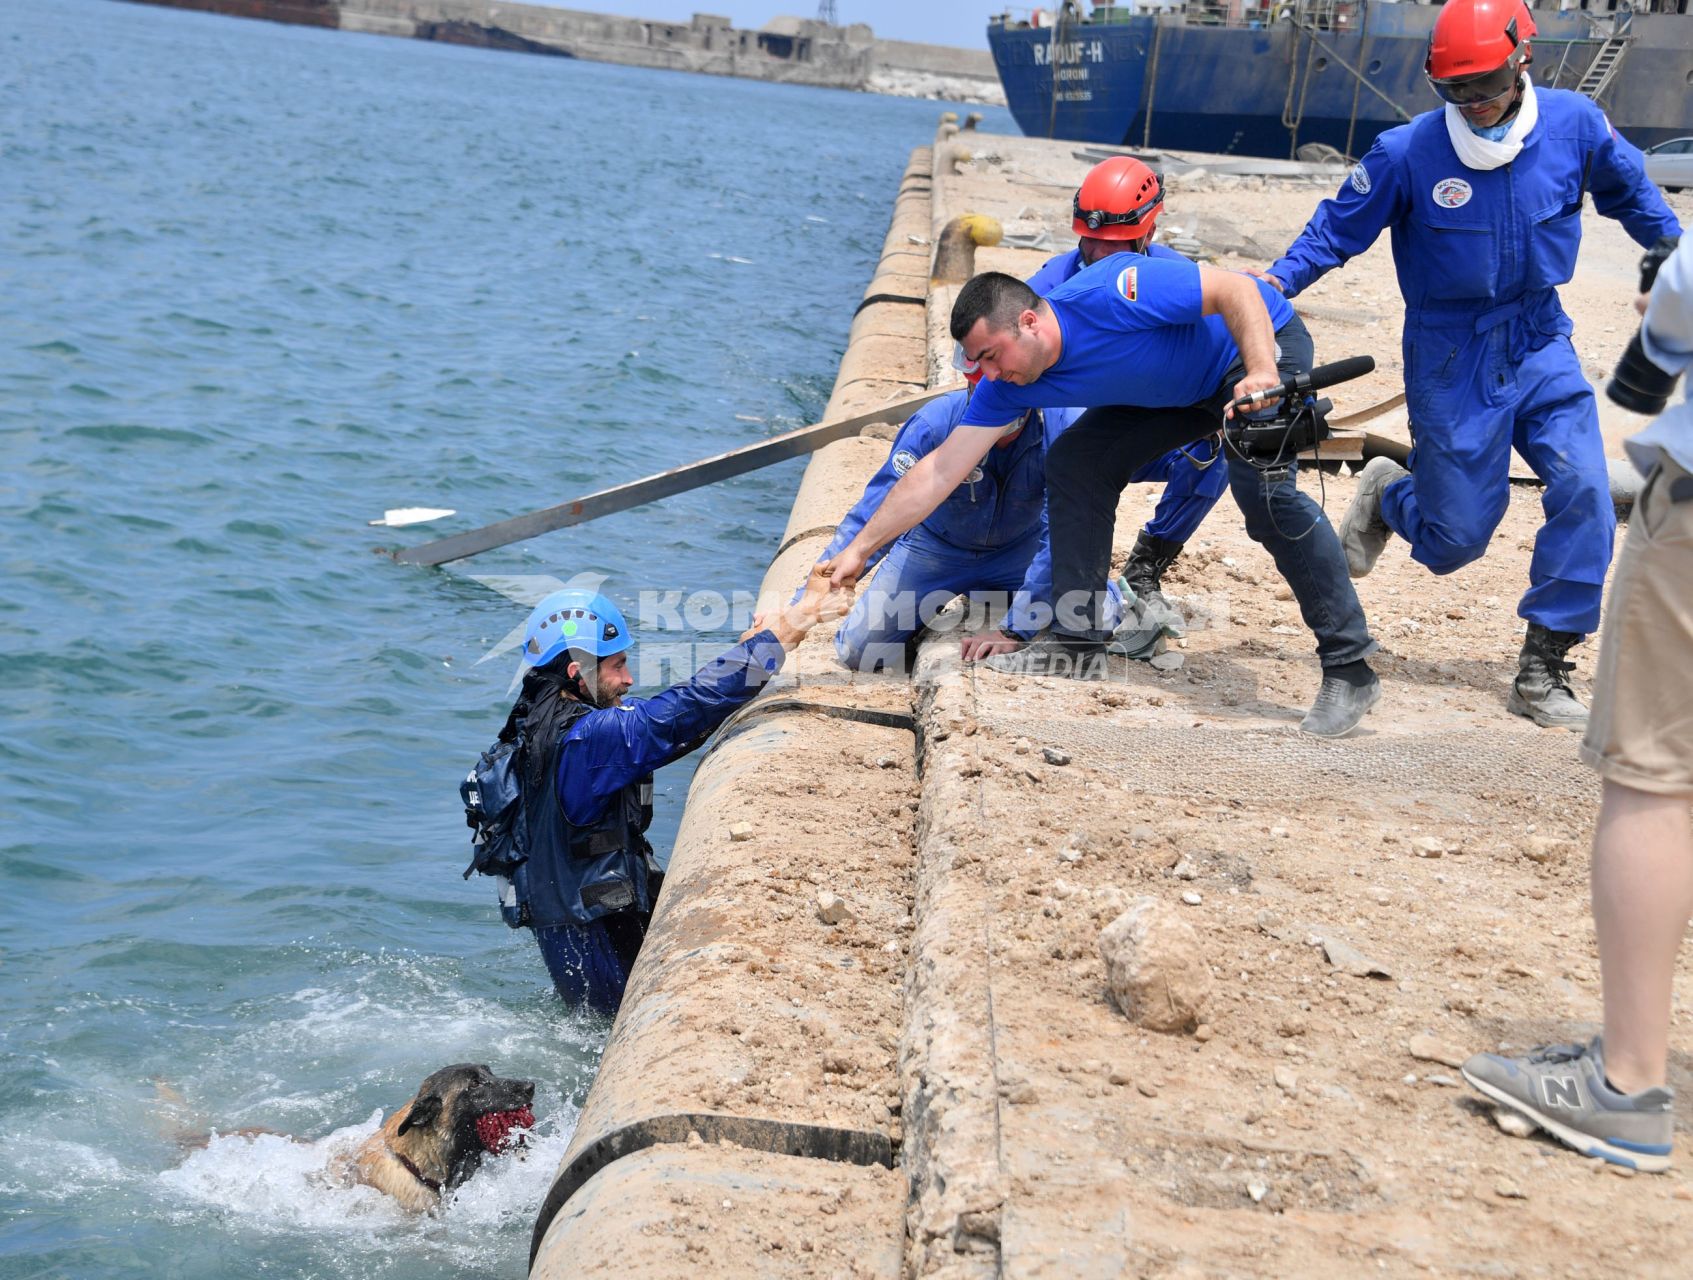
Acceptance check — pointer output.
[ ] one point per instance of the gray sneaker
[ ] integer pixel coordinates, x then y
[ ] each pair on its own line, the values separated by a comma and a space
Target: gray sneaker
1340, 706
1562, 1088
1051, 655
1363, 533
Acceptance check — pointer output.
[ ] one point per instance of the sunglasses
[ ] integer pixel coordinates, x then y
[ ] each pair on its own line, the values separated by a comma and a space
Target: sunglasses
1475, 91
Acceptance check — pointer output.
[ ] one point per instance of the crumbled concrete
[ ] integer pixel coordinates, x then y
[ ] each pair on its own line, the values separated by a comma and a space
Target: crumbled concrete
1156, 967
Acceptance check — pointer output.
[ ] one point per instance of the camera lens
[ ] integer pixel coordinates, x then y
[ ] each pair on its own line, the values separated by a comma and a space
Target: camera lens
1638, 385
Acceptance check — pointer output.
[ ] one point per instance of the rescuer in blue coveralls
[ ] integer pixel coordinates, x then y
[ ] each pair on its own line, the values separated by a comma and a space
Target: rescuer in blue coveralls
982, 538
986, 538
1156, 350
1116, 211
1484, 201
590, 882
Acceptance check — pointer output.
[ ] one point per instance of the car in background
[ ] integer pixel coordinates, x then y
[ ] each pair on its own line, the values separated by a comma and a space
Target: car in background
1670, 164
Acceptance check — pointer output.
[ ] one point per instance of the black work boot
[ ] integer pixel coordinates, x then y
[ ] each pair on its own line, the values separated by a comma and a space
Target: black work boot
1542, 689
1144, 574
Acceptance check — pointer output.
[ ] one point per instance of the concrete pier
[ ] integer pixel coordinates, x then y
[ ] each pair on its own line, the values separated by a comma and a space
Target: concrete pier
786, 50
871, 1033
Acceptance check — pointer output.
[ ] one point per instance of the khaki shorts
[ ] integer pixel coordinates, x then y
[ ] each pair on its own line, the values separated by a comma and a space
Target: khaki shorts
1640, 733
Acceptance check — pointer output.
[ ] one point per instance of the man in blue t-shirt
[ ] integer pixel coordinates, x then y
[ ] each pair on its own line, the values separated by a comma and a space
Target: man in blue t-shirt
1154, 351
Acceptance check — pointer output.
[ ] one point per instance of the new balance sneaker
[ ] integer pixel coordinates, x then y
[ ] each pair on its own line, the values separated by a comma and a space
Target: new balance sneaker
1053, 655
1562, 1088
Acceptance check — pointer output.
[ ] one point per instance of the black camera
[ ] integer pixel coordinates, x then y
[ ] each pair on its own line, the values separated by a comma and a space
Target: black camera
1637, 384
1272, 443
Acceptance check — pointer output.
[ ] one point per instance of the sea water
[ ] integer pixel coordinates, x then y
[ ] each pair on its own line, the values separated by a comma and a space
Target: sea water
259, 284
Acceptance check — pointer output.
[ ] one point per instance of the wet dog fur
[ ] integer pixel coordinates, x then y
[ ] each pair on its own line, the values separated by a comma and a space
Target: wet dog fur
428, 1147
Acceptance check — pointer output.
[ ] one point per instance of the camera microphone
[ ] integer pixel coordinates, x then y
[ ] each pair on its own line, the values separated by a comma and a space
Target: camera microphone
1300, 384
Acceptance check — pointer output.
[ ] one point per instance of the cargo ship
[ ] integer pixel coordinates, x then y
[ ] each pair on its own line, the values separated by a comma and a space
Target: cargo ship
1295, 78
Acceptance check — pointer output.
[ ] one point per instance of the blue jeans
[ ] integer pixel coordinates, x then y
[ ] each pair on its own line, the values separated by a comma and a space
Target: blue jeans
1091, 462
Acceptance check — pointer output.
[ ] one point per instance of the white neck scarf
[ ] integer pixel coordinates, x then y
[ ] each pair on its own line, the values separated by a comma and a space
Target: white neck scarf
1477, 152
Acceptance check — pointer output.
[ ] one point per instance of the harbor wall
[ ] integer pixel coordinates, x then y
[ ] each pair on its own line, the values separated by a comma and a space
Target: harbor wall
786, 50
885, 1023
747, 1109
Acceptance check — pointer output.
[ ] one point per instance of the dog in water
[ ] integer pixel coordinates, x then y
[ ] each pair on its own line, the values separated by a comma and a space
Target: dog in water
434, 1143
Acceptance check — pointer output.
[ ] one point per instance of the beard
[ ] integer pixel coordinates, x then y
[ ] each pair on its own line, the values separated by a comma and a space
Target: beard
601, 699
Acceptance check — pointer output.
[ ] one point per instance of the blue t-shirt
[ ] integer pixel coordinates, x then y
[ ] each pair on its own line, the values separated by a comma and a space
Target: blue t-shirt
1133, 334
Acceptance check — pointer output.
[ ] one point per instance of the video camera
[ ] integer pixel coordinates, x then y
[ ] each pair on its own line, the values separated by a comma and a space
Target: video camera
1272, 443
1637, 384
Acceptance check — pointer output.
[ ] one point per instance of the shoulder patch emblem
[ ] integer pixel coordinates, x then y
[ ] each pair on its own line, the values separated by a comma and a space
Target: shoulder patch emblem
1128, 282
1360, 179
904, 460
1452, 193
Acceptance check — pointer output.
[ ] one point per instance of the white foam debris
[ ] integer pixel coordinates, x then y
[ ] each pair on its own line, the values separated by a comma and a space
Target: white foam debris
399, 517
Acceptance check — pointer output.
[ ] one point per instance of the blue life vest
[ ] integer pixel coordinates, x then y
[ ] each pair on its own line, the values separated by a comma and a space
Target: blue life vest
552, 871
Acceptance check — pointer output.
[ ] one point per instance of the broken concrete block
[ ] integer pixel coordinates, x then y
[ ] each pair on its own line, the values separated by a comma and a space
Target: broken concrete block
832, 908
1426, 1048
1348, 959
1546, 849
1156, 967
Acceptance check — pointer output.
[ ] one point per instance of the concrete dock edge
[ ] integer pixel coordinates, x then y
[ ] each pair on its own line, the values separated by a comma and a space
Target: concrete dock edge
749, 1067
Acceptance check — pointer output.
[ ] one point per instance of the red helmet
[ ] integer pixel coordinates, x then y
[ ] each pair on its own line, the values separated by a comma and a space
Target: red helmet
964, 364
1478, 49
1118, 200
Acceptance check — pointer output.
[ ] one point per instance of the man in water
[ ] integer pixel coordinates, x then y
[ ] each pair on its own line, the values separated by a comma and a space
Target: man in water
586, 766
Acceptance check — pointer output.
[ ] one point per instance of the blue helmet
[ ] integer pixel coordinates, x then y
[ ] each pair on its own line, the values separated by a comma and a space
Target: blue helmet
573, 619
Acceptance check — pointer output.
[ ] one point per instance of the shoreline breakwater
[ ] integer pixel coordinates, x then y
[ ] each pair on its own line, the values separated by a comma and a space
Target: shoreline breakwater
784, 50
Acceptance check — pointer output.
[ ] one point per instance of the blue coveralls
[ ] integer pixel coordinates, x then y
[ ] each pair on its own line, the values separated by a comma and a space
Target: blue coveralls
601, 754
1192, 484
1488, 361
988, 536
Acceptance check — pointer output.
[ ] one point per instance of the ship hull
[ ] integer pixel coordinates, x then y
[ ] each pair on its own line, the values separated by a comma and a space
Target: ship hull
1157, 82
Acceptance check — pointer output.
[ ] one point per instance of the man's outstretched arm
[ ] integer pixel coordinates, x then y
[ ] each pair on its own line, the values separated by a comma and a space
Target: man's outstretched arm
919, 491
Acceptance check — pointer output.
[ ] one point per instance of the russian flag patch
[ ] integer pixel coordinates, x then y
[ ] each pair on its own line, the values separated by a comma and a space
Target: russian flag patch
1128, 282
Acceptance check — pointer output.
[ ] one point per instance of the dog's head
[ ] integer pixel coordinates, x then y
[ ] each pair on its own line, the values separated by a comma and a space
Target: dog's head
460, 1114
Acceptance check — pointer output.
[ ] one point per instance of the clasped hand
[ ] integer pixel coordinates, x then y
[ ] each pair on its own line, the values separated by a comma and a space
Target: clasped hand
823, 600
